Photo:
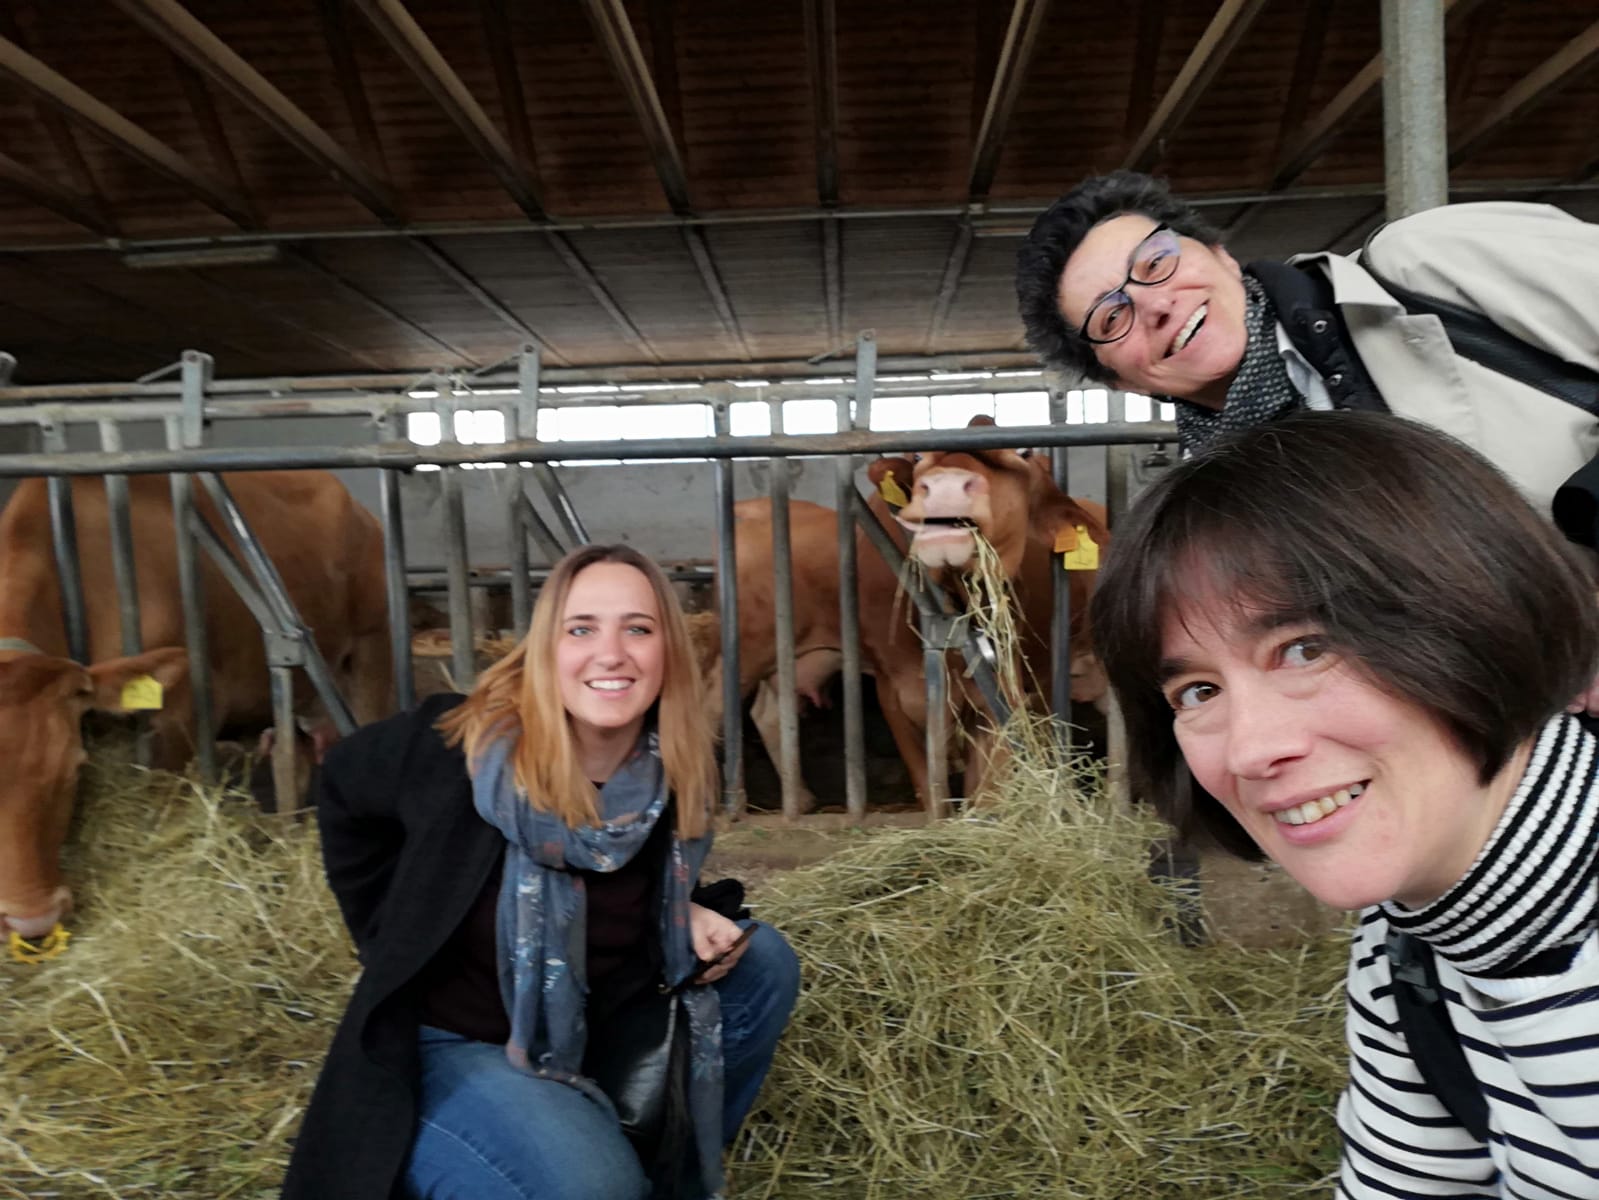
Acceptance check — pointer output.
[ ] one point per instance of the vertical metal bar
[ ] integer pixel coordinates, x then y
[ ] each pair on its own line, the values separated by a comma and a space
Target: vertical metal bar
8, 364
1118, 459
192, 590
285, 781
457, 562
393, 516
1060, 626
933, 664
788, 767
120, 510
195, 370
64, 539
522, 415
727, 604
849, 624
1414, 117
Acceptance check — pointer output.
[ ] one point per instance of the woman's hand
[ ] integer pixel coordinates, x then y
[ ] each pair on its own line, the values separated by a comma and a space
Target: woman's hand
713, 935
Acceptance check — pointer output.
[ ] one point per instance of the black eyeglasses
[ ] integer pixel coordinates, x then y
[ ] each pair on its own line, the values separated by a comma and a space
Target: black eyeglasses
1154, 260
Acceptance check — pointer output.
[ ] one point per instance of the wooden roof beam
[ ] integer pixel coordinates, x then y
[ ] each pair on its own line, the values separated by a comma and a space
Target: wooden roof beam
615, 32
821, 46
347, 70
47, 193
407, 39
1146, 55
171, 24
1209, 55
43, 83
1537, 86
1021, 39
508, 80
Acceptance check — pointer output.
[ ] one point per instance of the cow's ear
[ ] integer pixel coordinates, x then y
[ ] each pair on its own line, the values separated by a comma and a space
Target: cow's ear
123, 685
1054, 512
979, 419
900, 470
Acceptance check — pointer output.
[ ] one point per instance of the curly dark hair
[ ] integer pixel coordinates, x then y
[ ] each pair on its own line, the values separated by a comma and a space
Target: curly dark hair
1057, 234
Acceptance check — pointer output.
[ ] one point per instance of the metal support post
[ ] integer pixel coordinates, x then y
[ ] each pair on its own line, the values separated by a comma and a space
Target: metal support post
8, 364
120, 510
934, 633
727, 604
1414, 119
521, 418
1118, 460
1060, 626
849, 602
565, 515
457, 562
64, 538
788, 766
195, 370
192, 589
393, 516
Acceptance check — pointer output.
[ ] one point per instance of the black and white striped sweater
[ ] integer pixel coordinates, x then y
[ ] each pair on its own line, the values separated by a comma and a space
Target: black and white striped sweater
1517, 948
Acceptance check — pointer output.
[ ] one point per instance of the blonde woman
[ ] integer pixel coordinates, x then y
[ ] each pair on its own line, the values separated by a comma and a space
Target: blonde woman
516, 869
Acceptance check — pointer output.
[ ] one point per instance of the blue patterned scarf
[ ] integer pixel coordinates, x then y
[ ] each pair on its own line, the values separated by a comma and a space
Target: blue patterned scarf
542, 926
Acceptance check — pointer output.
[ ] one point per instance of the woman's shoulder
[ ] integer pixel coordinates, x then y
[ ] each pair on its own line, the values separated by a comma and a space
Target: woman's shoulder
399, 737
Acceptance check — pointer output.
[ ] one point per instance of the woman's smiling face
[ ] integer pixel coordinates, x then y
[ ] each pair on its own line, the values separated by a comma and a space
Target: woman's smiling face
610, 654
1360, 795
1188, 336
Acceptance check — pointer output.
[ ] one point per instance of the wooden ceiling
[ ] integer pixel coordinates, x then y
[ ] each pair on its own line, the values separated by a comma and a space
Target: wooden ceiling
431, 183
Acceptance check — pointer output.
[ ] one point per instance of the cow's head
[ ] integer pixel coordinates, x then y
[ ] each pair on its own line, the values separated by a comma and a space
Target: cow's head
998, 493
42, 701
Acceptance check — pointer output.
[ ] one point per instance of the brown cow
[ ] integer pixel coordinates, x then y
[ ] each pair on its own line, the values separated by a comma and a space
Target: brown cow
327, 548
999, 493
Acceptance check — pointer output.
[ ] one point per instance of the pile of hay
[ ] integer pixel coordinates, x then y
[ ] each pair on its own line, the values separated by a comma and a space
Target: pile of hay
996, 1006
170, 1051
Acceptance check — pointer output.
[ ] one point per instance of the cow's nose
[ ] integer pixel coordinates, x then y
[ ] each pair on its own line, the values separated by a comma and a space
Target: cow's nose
951, 493
36, 925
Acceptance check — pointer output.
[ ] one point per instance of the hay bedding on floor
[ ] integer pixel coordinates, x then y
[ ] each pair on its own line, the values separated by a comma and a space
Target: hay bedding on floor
993, 1007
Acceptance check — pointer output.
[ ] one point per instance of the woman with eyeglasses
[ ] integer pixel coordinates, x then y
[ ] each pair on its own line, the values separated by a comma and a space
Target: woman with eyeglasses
1123, 283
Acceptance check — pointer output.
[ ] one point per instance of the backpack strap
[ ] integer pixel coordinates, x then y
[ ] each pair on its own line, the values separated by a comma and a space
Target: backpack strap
1303, 300
1434, 1045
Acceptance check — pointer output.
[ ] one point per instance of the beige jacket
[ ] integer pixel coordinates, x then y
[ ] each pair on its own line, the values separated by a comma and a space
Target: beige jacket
1532, 269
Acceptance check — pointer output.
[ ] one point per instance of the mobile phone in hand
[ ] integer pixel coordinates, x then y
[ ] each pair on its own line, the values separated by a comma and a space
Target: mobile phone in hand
707, 964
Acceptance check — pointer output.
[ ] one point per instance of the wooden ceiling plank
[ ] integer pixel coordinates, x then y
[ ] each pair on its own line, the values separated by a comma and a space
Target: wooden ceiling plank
1537, 86
413, 46
821, 48
700, 251
463, 280
1146, 56
347, 70
44, 83
615, 32
306, 260
662, 16
1463, 71
47, 193
1312, 43
833, 280
498, 37
578, 265
1021, 39
234, 295
204, 110
172, 25
1209, 55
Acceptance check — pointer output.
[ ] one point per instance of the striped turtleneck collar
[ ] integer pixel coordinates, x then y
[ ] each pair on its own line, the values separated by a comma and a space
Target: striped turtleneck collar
1533, 891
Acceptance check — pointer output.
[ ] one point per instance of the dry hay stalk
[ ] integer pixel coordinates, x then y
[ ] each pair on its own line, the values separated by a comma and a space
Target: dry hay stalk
996, 1006
170, 1051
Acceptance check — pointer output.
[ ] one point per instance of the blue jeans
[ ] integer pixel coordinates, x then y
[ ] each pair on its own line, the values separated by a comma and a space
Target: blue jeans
488, 1131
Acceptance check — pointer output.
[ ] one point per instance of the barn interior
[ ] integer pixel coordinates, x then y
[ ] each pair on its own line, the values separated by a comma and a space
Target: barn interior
668, 201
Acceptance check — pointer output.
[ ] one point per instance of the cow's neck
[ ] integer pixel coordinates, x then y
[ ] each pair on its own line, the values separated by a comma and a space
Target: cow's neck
30, 603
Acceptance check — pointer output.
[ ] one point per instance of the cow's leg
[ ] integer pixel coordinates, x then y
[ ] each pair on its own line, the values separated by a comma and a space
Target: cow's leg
908, 734
764, 712
368, 677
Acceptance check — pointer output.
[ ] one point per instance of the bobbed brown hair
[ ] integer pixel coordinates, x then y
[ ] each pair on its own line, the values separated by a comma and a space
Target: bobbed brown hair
519, 697
1420, 563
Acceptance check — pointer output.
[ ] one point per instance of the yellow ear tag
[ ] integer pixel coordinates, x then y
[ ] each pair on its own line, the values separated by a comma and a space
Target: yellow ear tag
889, 490
50, 946
141, 692
1084, 556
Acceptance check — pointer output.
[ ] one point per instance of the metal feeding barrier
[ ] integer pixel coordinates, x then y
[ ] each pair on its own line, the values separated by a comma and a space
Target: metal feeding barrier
186, 406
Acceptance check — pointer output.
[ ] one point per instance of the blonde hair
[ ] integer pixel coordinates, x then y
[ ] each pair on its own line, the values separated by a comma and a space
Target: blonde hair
519, 697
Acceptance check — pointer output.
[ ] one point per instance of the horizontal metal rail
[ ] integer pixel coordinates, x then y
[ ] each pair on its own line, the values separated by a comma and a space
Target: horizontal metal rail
405, 455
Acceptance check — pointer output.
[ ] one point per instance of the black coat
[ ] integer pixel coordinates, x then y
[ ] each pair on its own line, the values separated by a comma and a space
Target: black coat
406, 855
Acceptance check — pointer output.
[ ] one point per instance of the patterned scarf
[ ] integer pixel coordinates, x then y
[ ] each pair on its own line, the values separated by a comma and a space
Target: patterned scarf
1532, 895
1260, 392
542, 927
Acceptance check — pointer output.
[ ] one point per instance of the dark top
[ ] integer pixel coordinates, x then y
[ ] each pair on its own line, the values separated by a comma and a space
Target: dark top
460, 986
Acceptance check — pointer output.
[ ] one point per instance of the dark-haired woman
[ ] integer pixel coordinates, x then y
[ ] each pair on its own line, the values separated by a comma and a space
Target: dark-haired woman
1346, 643
517, 870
